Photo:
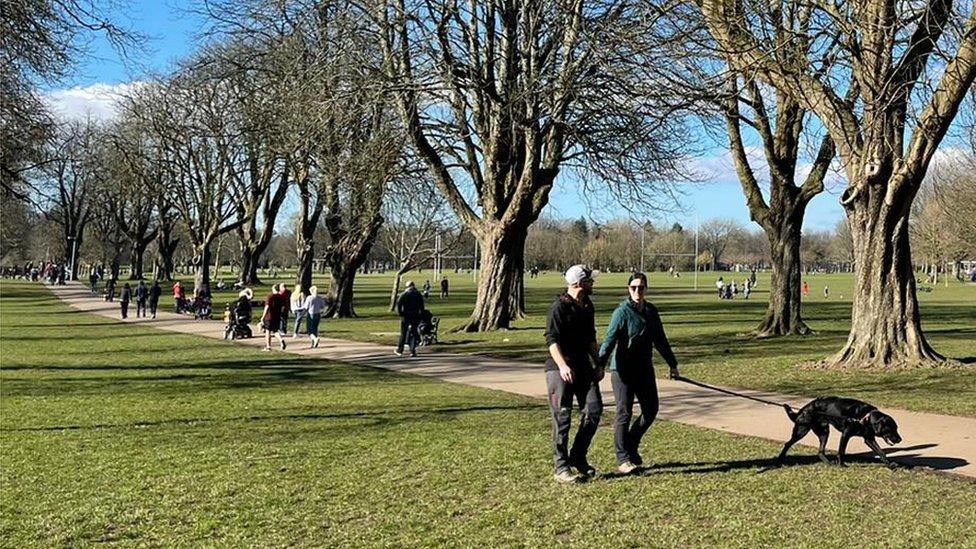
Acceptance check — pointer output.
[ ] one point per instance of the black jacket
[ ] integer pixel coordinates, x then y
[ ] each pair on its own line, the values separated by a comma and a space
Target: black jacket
410, 304
571, 324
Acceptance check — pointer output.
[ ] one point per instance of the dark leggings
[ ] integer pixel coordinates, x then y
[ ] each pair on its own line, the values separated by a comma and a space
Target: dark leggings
626, 435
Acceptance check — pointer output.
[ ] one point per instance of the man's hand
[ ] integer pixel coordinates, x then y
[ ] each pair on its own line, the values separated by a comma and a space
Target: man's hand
674, 374
566, 373
599, 373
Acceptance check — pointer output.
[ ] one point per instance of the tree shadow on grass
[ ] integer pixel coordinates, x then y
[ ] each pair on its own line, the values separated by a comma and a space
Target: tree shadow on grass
384, 416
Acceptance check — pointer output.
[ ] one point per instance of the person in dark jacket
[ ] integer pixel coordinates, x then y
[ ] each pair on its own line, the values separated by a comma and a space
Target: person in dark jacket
635, 330
142, 294
410, 307
570, 373
154, 292
124, 298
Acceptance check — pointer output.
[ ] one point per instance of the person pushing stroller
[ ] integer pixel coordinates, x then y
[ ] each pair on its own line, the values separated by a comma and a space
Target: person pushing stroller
239, 316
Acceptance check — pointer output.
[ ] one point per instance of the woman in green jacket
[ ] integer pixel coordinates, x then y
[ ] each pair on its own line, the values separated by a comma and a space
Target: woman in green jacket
635, 329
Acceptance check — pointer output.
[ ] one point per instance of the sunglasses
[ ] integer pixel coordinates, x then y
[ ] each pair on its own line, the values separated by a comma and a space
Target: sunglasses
640, 288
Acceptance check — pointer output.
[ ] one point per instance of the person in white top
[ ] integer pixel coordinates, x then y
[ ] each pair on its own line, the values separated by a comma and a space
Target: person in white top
314, 307
298, 307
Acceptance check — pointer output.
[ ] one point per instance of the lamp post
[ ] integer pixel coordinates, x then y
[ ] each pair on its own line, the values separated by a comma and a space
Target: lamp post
71, 273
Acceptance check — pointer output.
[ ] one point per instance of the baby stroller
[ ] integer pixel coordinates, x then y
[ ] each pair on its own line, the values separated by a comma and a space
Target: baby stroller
202, 307
428, 328
238, 317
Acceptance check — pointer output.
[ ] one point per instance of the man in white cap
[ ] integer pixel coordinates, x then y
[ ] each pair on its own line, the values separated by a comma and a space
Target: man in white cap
571, 372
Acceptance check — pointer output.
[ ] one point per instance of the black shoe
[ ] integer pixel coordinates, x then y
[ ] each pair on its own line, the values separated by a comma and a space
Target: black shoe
584, 468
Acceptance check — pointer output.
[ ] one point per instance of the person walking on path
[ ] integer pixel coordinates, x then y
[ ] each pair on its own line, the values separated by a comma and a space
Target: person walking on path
124, 298
110, 290
142, 295
410, 307
271, 320
179, 296
93, 279
635, 330
154, 292
571, 340
298, 308
720, 285
426, 289
314, 306
806, 288
444, 287
286, 296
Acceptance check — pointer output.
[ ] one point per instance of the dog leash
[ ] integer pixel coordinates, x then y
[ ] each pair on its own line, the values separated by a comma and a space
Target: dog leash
733, 393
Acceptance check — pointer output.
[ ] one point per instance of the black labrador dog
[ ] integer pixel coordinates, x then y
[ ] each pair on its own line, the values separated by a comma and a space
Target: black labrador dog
853, 418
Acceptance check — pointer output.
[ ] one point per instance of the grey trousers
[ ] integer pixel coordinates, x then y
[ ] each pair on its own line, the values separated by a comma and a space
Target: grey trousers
586, 391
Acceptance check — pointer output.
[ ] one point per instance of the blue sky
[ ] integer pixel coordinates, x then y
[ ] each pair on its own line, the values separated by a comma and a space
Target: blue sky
172, 30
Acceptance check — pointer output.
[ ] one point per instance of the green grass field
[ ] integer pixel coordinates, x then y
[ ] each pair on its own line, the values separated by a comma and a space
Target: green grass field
124, 434
707, 334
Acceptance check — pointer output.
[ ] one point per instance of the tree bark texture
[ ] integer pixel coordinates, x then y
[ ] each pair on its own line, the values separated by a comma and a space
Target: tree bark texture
201, 262
502, 258
395, 292
783, 311
341, 290
886, 329
138, 257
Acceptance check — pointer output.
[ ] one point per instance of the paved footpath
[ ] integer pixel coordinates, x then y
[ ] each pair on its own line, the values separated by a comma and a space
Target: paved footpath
940, 442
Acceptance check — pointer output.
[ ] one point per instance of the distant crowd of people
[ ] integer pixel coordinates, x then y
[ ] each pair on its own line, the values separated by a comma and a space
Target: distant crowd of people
50, 272
731, 289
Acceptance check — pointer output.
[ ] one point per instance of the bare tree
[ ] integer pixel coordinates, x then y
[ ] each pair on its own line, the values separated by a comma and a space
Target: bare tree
745, 106
889, 51
39, 43
136, 178
190, 117
715, 236
69, 184
497, 97
105, 228
416, 221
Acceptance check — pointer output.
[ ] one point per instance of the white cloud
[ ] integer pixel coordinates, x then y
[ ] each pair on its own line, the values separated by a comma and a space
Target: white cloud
97, 101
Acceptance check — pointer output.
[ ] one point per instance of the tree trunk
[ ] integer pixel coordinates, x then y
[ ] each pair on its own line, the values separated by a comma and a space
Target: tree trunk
167, 248
395, 292
501, 259
248, 273
202, 263
885, 326
518, 281
138, 258
306, 260
341, 291
783, 312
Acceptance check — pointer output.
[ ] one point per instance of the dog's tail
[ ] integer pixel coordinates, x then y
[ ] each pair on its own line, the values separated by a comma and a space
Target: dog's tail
790, 412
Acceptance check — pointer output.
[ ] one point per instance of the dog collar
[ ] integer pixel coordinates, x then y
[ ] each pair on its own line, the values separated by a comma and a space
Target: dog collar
867, 416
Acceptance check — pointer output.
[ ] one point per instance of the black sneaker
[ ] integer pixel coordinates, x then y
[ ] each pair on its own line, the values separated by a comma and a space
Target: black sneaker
585, 469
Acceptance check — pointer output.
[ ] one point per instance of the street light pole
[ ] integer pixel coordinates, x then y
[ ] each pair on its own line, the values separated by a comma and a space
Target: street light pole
696, 252
74, 247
